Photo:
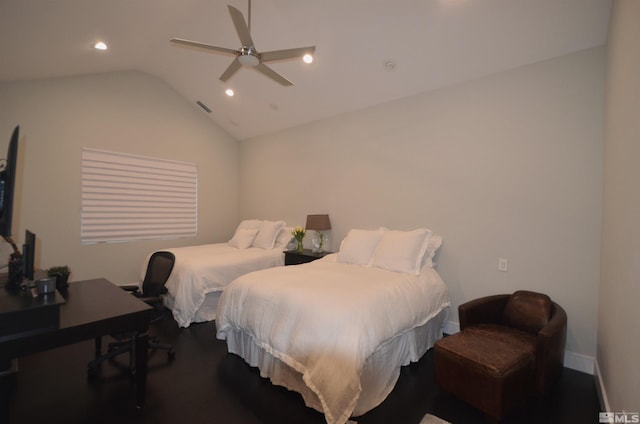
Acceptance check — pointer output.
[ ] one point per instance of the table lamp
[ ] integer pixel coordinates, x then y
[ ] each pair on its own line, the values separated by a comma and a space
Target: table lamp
318, 223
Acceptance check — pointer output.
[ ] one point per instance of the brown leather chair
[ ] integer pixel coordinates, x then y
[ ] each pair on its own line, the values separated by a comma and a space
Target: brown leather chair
508, 347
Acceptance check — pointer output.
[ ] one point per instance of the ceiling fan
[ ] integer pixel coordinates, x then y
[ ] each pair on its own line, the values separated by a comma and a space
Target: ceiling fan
248, 55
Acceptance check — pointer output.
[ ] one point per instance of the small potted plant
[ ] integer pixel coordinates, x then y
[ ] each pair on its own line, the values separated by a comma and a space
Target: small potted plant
61, 273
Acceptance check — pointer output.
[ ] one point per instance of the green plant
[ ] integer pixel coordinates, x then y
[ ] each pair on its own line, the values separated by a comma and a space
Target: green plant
59, 270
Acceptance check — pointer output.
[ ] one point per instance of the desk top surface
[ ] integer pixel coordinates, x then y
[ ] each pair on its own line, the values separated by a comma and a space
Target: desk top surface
82, 301
92, 308
95, 300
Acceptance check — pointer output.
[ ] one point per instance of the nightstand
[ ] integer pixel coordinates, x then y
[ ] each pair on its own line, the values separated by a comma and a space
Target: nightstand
293, 257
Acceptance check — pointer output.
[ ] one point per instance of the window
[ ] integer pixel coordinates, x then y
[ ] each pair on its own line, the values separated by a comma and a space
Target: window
128, 197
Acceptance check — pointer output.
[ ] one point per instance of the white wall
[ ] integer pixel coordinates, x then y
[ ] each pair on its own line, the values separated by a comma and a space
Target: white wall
505, 166
127, 112
619, 318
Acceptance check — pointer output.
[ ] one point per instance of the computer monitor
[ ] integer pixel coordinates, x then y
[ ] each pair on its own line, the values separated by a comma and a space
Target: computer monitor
28, 254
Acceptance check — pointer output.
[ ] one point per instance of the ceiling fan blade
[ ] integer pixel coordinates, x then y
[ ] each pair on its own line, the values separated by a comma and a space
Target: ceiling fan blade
265, 70
276, 55
241, 27
231, 69
204, 46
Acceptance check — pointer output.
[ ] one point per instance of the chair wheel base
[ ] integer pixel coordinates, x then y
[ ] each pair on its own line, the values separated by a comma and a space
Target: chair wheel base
92, 373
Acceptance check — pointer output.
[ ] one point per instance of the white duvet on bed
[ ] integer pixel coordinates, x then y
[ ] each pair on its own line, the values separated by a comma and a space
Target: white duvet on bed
324, 319
207, 268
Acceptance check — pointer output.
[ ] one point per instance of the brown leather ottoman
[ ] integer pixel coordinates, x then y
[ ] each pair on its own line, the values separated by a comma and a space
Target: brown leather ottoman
484, 368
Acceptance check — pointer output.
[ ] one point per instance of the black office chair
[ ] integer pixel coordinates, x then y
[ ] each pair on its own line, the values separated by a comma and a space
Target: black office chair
153, 287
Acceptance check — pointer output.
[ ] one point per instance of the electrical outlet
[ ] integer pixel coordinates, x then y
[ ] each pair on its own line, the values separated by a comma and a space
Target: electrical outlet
503, 264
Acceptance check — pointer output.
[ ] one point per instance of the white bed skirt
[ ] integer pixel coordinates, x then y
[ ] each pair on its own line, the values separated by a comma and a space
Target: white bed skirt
206, 311
380, 374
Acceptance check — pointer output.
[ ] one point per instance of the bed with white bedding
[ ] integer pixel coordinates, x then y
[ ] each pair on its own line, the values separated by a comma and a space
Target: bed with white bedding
337, 330
202, 272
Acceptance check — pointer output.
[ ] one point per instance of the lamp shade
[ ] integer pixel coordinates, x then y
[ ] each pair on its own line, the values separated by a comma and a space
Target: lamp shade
318, 222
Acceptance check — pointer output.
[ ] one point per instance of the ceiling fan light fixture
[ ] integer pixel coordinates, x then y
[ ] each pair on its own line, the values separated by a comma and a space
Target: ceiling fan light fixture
307, 58
248, 59
229, 92
100, 46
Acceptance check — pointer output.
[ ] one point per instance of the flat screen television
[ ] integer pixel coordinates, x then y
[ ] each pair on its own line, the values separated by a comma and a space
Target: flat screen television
7, 188
7, 184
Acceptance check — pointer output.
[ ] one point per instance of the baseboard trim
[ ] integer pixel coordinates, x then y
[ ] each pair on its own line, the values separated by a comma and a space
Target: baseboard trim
600, 389
572, 360
579, 362
450, 327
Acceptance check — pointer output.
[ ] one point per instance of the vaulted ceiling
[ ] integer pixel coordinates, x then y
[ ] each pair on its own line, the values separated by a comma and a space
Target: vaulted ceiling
368, 51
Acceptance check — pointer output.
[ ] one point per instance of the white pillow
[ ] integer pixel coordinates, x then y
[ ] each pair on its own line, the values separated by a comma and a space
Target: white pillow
432, 247
267, 234
402, 251
284, 238
250, 223
243, 237
358, 247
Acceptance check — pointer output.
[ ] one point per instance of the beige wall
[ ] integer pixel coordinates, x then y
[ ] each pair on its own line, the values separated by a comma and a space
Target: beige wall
619, 317
506, 166
125, 112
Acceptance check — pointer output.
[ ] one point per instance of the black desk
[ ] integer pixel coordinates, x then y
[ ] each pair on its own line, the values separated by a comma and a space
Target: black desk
21, 312
93, 308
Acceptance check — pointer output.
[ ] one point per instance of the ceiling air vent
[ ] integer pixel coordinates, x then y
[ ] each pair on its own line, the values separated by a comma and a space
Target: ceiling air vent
203, 106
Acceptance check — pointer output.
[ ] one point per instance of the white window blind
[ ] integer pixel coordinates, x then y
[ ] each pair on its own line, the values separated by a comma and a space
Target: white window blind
128, 197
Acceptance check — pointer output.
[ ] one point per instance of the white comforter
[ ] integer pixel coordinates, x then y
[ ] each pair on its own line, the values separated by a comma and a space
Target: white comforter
199, 270
325, 318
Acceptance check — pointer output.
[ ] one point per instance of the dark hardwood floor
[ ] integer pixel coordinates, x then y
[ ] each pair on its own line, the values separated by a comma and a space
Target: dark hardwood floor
206, 385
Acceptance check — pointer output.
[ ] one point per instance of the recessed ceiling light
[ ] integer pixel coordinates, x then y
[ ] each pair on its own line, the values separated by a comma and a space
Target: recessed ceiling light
229, 92
307, 58
100, 46
390, 65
